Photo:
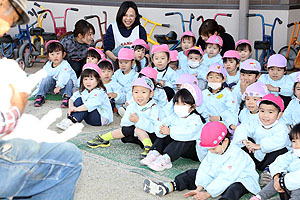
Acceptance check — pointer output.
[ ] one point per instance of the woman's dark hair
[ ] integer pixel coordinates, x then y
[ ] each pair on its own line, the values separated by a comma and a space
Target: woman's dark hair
295, 132
105, 65
266, 102
89, 73
249, 72
243, 46
154, 82
54, 47
138, 63
122, 12
210, 26
194, 52
83, 27
188, 37
93, 53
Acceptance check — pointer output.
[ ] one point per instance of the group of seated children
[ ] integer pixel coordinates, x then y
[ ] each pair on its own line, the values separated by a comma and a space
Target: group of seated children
193, 104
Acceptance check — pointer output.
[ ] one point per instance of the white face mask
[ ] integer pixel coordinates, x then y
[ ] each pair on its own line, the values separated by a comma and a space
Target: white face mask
193, 64
296, 152
269, 126
182, 111
214, 86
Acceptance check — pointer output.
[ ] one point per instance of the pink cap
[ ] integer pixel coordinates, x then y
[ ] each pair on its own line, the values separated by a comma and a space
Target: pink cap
188, 33
218, 68
174, 55
214, 39
104, 59
196, 49
51, 41
92, 67
256, 89
144, 82
212, 134
187, 78
231, 54
195, 91
126, 54
149, 72
277, 60
275, 99
297, 79
160, 48
141, 42
99, 51
251, 65
242, 42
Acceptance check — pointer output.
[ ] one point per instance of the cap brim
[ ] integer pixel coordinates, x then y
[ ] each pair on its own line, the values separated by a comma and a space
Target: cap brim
25, 18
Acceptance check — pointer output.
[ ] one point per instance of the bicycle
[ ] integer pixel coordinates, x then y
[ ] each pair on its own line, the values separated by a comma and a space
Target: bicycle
215, 17
290, 51
266, 45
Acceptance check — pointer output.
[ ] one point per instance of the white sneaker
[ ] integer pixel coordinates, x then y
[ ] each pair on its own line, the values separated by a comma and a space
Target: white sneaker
121, 111
151, 157
64, 124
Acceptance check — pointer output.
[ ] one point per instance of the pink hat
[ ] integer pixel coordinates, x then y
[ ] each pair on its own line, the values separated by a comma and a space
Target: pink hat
218, 68
160, 48
144, 82
242, 42
196, 49
149, 72
174, 55
104, 59
92, 67
251, 65
275, 99
297, 79
231, 54
214, 39
99, 51
126, 54
187, 78
212, 134
140, 42
188, 33
195, 91
51, 41
256, 89
277, 60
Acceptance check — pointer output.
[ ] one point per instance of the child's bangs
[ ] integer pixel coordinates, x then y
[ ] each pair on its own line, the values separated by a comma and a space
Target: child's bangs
295, 132
185, 96
243, 47
55, 47
137, 47
89, 73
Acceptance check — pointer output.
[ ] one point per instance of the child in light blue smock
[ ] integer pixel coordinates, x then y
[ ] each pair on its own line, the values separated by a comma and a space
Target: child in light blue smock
140, 48
187, 41
114, 90
244, 48
226, 170
177, 132
60, 79
195, 66
91, 102
213, 48
285, 171
174, 63
291, 115
231, 60
139, 121
277, 82
219, 104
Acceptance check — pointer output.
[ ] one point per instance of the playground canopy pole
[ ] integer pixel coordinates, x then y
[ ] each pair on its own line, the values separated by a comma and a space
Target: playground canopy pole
243, 20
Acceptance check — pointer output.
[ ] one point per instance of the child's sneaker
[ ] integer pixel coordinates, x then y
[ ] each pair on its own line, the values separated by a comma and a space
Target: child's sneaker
65, 102
98, 142
39, 101
151, 157
161, 163
121, 111
265, 178
157, 189
64, 124
145, 152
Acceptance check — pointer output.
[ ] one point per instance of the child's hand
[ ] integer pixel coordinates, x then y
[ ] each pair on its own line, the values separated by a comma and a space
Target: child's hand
195, 74
214, 118
162, 83
271, 88
112, 95
232, 127
244, 84
71, 109
252, 146
56, 90
191, 193
201, 196
134, 118
165, 130
276, 184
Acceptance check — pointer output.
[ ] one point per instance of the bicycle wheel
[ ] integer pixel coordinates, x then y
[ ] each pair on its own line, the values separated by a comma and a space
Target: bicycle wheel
25, 50
290, 58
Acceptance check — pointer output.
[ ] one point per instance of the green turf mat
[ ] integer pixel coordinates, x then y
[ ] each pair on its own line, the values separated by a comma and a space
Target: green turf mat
52, 97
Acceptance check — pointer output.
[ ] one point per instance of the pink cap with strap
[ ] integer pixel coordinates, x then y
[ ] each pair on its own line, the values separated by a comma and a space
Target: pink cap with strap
99, 51
140, 42
256, 89
51, 41
243, 41
214, 39
297, 79
92, 67
195, 48
126, 54
212, 134
149, 72
277, 60
160, 48
188, 33
231, 54
218, 68
174, 55
187, 78
144, 82
251, 65
275, 99
105, 60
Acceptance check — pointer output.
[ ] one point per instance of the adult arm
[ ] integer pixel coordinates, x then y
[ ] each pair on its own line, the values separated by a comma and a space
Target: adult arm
109, 43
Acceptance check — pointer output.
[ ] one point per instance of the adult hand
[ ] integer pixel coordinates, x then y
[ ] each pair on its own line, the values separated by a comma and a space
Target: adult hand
18, 99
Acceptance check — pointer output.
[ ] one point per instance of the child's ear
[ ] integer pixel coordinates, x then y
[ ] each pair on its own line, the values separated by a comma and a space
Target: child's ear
279, 115
151, 94
132, 63
257, 77
64, 54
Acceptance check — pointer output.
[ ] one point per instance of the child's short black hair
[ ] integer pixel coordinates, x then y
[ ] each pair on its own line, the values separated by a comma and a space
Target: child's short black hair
213, 44
217, 73
225, 60
177, 63
105, 65
137, 47
93, 53
249, 72
266, 102
243, 46
89, 73
285, 69
185, 96
228, 136
295, 132
54, 47
188, 37
194, 52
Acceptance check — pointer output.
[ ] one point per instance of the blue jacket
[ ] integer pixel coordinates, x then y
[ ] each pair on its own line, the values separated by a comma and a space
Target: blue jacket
182, 60
208, 61
114, 87
285, 84
168, 76
246, 116
143, 64
200, 72
291, 115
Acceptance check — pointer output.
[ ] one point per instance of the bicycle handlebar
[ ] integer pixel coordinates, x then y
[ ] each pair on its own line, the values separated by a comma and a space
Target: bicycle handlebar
41, 11
36, 4
250, 15
33, 12
192, 16
166, 25
74, 9
170, 13
279, 21
292, 24
90, 17
30, 13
